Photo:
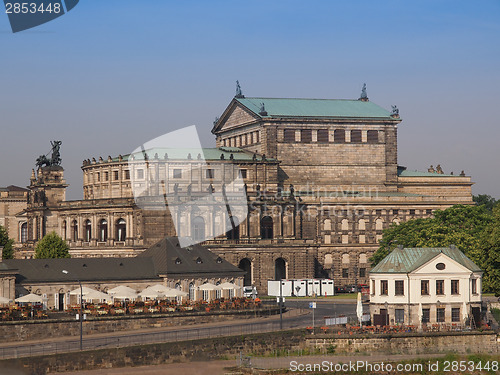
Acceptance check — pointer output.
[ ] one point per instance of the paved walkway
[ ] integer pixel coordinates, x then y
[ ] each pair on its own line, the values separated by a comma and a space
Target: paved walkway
227, 367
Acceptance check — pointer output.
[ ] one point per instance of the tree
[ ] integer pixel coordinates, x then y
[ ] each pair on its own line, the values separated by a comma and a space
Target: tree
490, 244
462, 226
487, 200
52, 246
6, 242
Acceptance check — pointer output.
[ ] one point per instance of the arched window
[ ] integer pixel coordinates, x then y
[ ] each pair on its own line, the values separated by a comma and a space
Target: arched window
379, 224
361, 224
372, 136
88, 230
345, 258
178, 286
64, 230
266, 227
396, 221
103, 230
279, 269
339, 136
328, 261
121, 230
24, 232
246, 265
233, 229
363, 258
198, 229
191, 291
74, 230
327, 225
345, 224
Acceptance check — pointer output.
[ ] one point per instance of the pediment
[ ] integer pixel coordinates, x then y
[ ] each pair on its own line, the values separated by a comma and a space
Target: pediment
235, 116
450, 266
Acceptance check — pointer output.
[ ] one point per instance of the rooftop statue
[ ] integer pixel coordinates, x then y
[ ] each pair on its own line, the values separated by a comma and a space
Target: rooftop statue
395, 111
364, 95
239, 94
55, 159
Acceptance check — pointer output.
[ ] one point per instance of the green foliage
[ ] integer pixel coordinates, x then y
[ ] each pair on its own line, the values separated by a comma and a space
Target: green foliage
473, 229
52, 246
485, 200
490, 247
6, 242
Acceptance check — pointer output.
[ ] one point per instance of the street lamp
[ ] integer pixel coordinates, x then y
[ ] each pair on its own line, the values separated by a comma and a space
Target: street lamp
81, 310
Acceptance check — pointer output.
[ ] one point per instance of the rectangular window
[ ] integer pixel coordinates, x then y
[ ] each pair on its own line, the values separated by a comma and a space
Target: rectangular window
384, 287
426, 315
362, 272
323, 136
412, 212
455, 314
399, 287
395, 212
339, 136
428, 212
474, 286
439, 287
209, 173
440, 314
127, 174
373, 288
424, 287
355, 136
306, 136
140, 174
116, 175
372, 136
455, 289
399, 315
98, 176
345, 273
106, 176
378, 212
177, 173
244, 173
289, 136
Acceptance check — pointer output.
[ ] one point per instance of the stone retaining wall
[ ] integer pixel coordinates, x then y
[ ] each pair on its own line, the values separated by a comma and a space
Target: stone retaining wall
42, 329
457, 342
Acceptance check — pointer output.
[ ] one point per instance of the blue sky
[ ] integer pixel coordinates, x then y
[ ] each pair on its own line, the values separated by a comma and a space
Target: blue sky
112, 74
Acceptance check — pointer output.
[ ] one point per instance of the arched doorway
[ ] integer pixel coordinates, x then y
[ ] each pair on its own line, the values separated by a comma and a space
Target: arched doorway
279, 269
233, 229
266, 227
198, 229
246, 265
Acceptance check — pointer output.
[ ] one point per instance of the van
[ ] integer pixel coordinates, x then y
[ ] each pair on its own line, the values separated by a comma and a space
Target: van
249, 291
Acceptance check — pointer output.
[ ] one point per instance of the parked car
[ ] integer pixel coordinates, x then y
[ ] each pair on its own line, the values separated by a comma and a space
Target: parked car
249, 291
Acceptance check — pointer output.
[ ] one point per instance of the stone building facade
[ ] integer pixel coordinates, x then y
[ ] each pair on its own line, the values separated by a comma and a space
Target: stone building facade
321, 179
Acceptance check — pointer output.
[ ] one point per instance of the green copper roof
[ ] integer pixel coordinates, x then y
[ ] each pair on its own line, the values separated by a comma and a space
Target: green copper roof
407, 173
276, 107
409, 259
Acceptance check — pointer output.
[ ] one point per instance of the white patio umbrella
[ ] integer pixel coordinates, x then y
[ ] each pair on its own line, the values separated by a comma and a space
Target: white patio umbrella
123, 292
4, 301
30, 298
96, 295
175, 293
154, 291
209, 286
229, 286
85, 290
359, 310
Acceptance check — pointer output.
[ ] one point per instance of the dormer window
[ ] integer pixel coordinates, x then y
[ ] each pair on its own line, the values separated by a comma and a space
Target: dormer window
199, 261
178, 261
219, 260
